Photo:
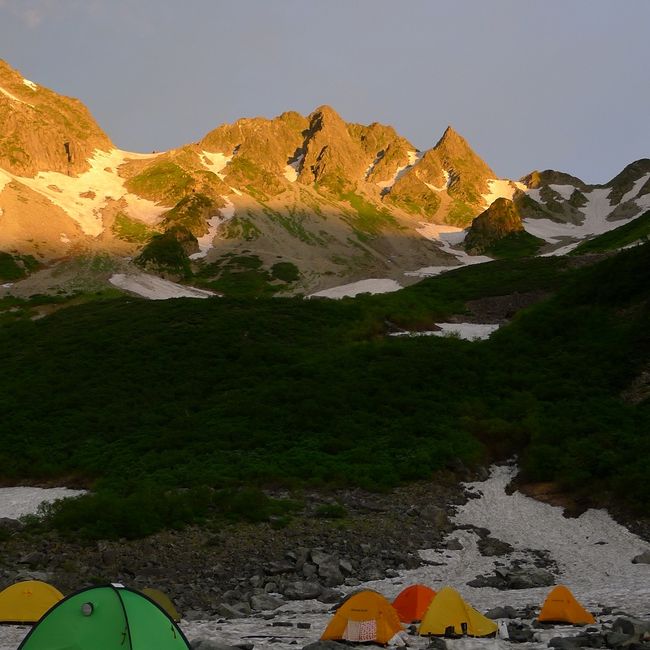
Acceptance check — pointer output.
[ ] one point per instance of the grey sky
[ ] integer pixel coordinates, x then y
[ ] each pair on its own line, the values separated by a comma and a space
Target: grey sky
561, 84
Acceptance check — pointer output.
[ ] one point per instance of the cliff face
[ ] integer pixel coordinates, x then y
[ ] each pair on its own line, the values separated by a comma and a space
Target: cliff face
41, 130
501, 219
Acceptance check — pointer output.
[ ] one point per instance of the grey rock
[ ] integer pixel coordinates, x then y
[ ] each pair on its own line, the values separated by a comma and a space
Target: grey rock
309, 570
195, 615
211, 644
346, 567
330, 596
501, 612
12, 525
265, 602
530, 578
303, 626
643, 558
615, 639
238, 610
302, 590
491, 546
277, 568
454, 545
326, 645
319, 557
435, 643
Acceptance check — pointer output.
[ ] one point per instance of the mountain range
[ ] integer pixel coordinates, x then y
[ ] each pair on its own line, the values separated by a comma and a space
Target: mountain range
289, 205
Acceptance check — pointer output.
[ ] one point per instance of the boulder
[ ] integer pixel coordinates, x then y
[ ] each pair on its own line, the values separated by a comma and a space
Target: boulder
211, 644
491, 546
326, 645
265, 602
302, 590
330, 596
530, 578
330, 573
643, 558
501, 612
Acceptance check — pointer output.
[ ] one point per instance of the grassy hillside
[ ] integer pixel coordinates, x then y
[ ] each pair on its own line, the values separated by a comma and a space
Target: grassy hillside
140, 398
630, 233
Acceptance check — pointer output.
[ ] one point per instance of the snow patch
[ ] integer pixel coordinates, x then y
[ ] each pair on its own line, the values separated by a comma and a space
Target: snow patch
215, 162
467, 331
5, 179
372, 285
414, 157
155, 288
595, 222
638, 184
17, 502
500, 188
444, 187
373, 164
30, 84
13, 98
103, 180
292, 169
565, 191
205, 242
448, 237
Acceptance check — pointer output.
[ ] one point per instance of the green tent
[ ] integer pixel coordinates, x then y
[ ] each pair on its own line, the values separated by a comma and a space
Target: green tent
111, 617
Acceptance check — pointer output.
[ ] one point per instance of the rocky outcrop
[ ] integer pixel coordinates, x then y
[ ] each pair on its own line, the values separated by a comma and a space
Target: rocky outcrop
502, 218
41, 130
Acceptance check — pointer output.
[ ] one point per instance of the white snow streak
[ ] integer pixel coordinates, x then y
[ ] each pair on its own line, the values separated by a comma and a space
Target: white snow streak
448, 237
414, 157
638, 184
155, 288
292, 169
215, 162
30, 84
372, 285
205, 242
6, 93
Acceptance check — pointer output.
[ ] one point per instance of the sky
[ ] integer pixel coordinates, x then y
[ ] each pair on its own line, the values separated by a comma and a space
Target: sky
531, 84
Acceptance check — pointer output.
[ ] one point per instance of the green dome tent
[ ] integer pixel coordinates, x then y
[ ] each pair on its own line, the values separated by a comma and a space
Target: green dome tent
111, 617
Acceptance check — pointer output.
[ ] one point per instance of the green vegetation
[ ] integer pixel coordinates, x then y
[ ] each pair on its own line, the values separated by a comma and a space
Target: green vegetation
369, 219
515, 244
192, 213
634, 231
162, 181
242, 276
285, 272
460, 214
131, 230
168, 251
16, 267
176, 409
240, 227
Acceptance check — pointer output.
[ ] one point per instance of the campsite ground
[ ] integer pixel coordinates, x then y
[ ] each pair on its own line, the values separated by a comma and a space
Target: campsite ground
591, 553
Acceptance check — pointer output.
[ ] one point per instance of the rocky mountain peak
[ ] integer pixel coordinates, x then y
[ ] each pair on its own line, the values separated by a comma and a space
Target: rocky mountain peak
457, 155
43, 131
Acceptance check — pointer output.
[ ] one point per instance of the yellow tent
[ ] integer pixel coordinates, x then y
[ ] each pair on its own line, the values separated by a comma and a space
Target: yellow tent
561, 606
448, 612
26, 602
164, 601
365, 616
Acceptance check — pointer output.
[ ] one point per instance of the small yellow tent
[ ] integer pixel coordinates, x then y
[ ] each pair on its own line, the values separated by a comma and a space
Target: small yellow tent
561, 606
366, 616
26, 602
164, 601
449, 612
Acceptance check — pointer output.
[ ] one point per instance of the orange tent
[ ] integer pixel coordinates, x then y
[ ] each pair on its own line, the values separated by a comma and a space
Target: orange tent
412, 602
365, 616
561, 606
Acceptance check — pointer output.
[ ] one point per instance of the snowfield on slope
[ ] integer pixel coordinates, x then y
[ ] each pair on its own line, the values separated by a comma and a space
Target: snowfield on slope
592, 552
155, 288
84, 197
372, 285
